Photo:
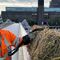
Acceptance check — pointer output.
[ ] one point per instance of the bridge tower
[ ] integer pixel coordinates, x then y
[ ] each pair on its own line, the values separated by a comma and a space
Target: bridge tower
40, 11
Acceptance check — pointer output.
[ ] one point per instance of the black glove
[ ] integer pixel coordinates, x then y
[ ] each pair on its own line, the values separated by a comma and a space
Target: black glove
26, 40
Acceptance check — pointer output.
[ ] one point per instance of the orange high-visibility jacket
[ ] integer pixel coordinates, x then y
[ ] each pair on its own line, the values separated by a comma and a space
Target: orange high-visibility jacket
10, 37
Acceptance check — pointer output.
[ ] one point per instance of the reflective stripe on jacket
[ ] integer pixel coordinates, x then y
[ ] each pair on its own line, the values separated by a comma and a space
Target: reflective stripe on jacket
10, 37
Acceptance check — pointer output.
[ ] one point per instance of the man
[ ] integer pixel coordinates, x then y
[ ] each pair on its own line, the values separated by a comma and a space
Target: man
8, 39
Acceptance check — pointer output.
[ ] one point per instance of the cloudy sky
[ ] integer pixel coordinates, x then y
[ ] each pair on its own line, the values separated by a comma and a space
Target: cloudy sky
20, 3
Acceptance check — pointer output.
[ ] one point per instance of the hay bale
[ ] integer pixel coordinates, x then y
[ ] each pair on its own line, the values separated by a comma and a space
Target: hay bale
45, 45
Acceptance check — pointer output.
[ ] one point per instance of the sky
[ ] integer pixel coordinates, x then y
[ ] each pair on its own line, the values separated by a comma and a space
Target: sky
21, 3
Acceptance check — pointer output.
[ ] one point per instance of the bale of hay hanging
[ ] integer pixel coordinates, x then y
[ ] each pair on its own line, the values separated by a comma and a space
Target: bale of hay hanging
45, 45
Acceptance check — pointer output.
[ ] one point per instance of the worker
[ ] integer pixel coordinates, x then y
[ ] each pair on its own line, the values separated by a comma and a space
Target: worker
8, 39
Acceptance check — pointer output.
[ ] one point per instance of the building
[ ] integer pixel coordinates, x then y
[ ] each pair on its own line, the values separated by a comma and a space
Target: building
55, 7
40, 11
55, 4
20, 13
38, 14
52, 14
